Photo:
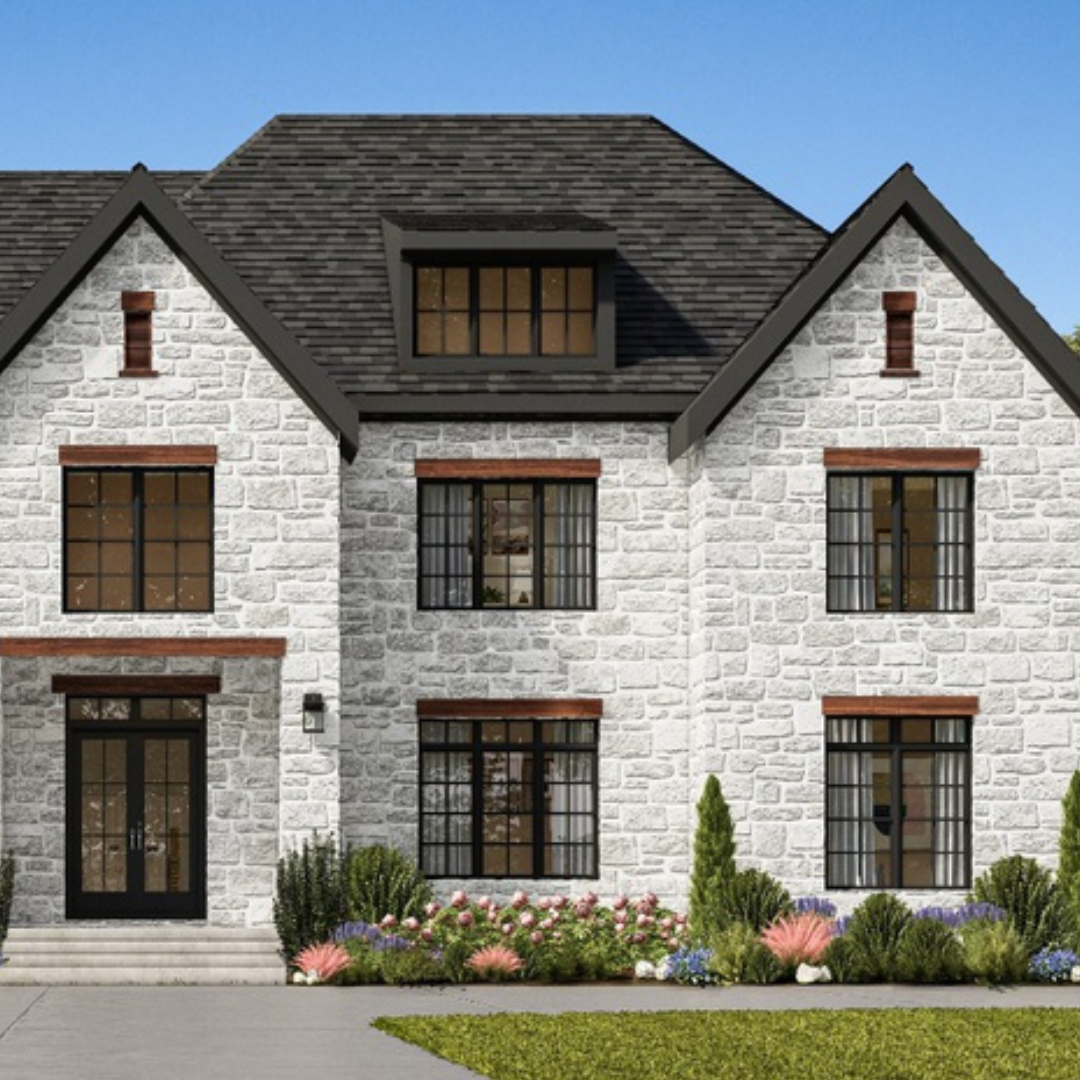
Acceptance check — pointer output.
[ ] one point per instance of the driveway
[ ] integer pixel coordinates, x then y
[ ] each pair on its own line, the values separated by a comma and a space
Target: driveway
231, 1033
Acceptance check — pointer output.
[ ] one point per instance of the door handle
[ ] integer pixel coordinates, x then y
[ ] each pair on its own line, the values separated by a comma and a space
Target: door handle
139, 835
132, 839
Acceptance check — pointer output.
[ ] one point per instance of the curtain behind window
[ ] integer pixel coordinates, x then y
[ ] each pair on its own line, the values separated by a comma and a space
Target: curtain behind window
568, 545
851, 805
951, 543
445, 570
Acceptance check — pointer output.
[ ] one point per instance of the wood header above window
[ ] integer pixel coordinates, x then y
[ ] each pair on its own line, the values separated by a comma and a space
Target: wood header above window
137, 301
899, 706
143, 646
132, 685
138, 455
898, 301
508, 468
510, 709
913, 460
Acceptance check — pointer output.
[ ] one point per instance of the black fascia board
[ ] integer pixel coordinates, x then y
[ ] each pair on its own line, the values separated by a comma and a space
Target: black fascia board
470, 241
656, 406
140, 197
903, 195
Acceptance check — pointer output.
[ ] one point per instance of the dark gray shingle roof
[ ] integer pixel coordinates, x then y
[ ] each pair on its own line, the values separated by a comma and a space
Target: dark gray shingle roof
703, 252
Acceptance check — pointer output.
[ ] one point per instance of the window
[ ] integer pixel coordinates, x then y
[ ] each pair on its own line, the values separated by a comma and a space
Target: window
505, 310
900, 541
899, 333
138, 333
507, 543
508, 797
898, 802
138, 539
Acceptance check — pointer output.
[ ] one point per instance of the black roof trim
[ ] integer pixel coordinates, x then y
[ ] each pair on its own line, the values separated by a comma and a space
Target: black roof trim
140, 196
532, 406
902, 195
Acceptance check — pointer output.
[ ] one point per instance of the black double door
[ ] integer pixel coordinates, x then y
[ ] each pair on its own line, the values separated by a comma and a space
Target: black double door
136, 818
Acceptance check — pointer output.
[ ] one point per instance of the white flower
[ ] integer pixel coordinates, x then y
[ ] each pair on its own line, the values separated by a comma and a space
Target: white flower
299, 978
312, 978
1074, 975
644, 970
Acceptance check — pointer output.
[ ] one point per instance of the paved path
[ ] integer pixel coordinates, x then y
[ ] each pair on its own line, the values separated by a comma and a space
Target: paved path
267, 1033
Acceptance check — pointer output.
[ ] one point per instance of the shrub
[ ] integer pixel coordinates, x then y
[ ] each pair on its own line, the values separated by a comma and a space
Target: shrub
690, 966
7, 892
714, 858
495, 963
754, 898
382, 881
798, 939
844, 961
874, 931
309, 901
1027, 893
994, 952
1069, 848
928, 952
410, 967
323, 961
739, 957
1053, 965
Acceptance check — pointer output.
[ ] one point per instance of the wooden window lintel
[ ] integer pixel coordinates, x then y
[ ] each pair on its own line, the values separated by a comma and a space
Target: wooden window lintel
138, 455
143, 646
898, 301
892, 705
510, 709
506, 468
942, 459
134, 685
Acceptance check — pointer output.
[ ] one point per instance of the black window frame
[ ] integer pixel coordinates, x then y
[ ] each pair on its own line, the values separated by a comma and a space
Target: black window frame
138, 574
897, 747
476, 746
900, 555
539, 576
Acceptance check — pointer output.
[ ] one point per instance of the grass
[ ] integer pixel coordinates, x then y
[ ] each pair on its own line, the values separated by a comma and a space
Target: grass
885, 1044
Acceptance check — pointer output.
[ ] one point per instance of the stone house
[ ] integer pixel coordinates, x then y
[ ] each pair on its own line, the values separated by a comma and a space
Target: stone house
480, 484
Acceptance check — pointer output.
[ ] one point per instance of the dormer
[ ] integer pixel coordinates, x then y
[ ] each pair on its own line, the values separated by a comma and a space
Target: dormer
502, 292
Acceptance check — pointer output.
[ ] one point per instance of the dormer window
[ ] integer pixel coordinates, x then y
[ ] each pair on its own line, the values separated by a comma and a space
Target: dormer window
502, 292
505, 310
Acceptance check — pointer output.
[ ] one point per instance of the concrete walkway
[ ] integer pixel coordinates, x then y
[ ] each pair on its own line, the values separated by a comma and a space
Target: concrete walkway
231, 1033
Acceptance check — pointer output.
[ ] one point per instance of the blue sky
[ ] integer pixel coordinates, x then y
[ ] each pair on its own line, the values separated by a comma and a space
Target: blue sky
818, 100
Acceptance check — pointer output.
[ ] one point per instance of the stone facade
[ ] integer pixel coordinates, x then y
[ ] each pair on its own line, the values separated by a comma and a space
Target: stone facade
277, 552
763, 649
631, 651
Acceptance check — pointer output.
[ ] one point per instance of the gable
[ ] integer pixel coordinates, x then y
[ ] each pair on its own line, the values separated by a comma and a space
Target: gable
902, 196
141, 198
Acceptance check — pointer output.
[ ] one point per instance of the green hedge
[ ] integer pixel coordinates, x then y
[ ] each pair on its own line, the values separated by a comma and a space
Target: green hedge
890, 1044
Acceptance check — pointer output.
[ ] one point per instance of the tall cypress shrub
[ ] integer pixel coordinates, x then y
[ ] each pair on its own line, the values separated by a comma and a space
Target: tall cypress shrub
714, 859
1069, 847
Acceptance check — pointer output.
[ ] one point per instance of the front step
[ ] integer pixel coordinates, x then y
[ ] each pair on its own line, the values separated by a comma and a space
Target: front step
145, 955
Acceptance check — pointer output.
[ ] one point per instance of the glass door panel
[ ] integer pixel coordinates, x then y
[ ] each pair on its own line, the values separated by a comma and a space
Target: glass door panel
167, 807
103, 834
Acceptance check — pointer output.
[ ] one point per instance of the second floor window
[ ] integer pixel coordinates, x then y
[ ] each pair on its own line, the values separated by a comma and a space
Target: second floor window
511, 544
138, 539
900, 542
505, 310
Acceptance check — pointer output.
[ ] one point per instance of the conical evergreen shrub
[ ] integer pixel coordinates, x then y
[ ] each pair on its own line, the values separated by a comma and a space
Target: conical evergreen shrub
714, 859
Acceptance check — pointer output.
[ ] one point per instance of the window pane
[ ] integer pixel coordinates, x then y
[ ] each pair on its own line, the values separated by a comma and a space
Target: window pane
429, 334
159, 488
491, 334
82, 489
456, 335
116, 488
429, 296
580, 337
491, 289
553, 334
519, 289
518, 335
456, 286
581, 288
194, 487
553, 288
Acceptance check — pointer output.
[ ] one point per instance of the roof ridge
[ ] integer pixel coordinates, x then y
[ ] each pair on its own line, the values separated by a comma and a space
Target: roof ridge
226, 161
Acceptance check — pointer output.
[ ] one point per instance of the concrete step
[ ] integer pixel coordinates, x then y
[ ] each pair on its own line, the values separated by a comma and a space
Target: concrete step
141, 954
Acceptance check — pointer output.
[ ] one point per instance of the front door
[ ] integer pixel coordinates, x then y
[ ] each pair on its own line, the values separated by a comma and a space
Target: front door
136, 837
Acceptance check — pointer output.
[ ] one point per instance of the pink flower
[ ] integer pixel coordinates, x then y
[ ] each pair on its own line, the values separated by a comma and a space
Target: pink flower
459, 899
493, 914
672, 944
680, 918
426, 933
620, 902
484, 902
520, 899
547, 924
536, 937
465, 919
432, 909
582, 910
411, 923
667, 922
544, 903
557, 935
507, 928
527, 919
621, 916
591, 899
389, 922
645, 920
637, 938
560, 902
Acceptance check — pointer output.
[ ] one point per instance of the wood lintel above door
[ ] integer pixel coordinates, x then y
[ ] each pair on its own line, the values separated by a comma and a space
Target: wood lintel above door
131, 685
507, 468
226, 647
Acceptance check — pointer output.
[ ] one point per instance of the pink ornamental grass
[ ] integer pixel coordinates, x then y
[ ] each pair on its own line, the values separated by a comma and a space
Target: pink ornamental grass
495, 962
799, 939
324, 961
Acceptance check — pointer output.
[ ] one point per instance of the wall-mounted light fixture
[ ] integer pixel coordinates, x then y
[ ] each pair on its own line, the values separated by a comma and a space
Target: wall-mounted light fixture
314, 714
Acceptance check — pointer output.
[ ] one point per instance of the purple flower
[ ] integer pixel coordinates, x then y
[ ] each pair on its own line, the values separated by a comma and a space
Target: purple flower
816, 904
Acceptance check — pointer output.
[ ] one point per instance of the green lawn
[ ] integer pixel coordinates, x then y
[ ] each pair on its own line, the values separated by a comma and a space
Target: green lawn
885, 1044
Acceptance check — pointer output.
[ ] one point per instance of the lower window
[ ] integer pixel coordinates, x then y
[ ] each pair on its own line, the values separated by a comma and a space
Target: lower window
508, 798
898, 802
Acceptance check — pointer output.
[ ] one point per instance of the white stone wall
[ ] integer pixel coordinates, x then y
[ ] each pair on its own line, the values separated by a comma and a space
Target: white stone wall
763, 649
276, 533
631, 651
